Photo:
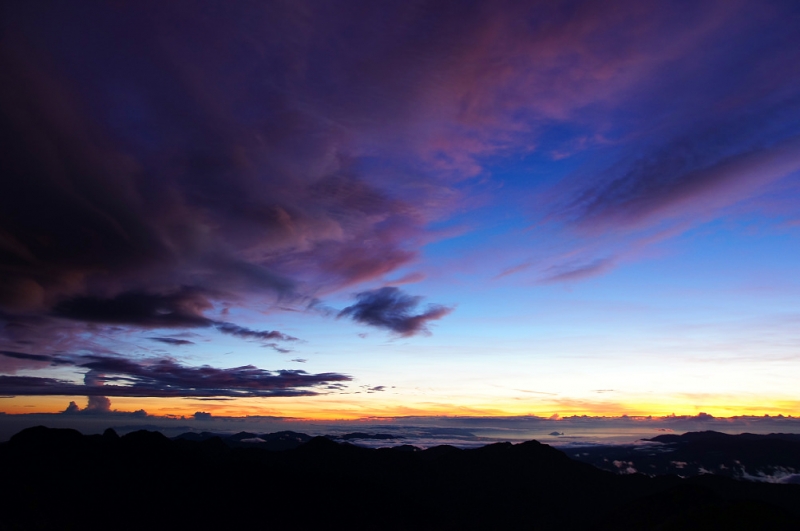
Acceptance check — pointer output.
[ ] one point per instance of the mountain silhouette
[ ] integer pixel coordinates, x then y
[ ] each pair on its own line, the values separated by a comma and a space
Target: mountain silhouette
774, 457
60, 479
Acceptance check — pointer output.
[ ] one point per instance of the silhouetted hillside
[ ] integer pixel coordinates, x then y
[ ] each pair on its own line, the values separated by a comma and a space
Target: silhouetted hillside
774, 457
278, 441
59, 479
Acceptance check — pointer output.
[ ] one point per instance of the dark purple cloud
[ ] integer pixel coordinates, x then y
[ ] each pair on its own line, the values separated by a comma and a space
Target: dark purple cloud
156, 174
13, 361
390, 308
246, 333
181, 309
25, 356
105, 377
171, 341
164, 162
271, 153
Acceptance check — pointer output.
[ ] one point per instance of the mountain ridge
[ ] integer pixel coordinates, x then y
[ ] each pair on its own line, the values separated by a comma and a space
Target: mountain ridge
58, 477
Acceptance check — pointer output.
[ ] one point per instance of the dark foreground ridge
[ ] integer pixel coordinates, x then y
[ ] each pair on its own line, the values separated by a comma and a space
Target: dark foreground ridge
774, 457
60, 479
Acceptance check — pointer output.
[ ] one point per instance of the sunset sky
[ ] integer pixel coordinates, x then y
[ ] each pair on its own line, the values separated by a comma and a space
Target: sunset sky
349, 209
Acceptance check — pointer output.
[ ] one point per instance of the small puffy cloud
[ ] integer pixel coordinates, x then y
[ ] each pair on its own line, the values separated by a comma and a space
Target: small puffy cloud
394, 310
100, 404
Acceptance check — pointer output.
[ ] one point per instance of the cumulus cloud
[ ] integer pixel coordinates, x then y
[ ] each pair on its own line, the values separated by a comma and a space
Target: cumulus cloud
98, 404
392, 309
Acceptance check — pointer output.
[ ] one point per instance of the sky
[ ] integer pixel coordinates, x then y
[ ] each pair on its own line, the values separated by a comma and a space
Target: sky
372, 210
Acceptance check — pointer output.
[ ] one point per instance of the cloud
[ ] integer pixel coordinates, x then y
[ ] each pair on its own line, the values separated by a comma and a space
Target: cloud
180, 309
171, 341
187, 169
106, 376
98, 404
164, 177
149, 193
13, 361
246, 333
34, 357
100, 407
390, 308
183, 308
25, 356
577, 272
681, 181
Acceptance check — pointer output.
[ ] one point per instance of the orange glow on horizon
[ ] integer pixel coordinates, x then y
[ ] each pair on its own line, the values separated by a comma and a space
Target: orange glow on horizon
331, 408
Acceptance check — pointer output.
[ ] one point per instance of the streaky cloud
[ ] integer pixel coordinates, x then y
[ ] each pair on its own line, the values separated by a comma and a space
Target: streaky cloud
667, 186
172, 341
247, 333
106, 377
180, 309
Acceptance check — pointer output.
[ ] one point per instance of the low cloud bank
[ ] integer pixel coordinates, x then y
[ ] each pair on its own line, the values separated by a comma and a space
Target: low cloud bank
162, 377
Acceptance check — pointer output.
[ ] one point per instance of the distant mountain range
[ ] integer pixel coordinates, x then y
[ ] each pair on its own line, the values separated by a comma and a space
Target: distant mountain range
278, 441
771, 458
60, 479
